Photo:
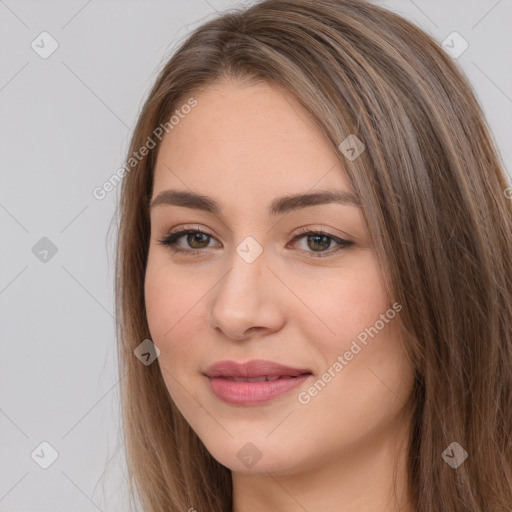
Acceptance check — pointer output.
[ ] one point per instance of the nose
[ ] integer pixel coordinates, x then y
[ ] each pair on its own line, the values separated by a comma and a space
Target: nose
246, 301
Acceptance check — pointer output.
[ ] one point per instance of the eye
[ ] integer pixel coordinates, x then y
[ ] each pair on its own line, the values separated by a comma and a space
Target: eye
196, 238
318, 241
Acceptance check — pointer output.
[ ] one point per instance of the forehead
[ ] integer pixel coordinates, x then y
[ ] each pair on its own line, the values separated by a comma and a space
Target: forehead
255, 139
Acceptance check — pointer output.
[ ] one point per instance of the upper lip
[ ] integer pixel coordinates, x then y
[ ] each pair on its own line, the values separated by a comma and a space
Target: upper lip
253, 368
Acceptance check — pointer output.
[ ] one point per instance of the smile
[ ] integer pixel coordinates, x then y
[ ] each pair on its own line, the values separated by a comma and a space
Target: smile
253, 382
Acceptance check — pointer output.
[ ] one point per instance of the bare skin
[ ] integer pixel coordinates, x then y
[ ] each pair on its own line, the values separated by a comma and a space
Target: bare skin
330, 450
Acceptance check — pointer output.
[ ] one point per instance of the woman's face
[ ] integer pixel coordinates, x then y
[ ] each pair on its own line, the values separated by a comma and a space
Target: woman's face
256, 287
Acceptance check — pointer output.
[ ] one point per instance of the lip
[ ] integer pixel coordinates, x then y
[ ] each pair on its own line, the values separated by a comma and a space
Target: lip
222, 375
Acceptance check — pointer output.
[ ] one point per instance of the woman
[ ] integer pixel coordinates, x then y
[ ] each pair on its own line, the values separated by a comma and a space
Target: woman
315, 273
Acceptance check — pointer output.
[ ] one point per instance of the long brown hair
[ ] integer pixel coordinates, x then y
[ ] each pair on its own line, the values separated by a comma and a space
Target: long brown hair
432, 186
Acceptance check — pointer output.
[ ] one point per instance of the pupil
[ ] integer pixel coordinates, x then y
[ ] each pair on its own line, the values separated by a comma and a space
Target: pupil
194, 238
325, 238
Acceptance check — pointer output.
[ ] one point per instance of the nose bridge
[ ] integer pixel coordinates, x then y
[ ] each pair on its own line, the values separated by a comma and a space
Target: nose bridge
247, 268
242, 299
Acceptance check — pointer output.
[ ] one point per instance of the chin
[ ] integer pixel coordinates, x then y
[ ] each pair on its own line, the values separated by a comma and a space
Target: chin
248, 458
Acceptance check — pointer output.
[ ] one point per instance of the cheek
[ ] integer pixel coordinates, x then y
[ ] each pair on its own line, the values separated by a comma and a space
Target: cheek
159, 303
171, 317
166, 302
175, 313
361, 385
372, 376
359, 324
349, 303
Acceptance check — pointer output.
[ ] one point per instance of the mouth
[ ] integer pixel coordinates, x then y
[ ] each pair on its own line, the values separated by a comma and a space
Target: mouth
263, 378
254, 382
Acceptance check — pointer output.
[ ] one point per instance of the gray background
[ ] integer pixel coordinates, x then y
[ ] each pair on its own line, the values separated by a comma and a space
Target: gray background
64, 129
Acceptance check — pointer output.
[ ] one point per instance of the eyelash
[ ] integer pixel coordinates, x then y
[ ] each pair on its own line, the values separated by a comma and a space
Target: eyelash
171, 239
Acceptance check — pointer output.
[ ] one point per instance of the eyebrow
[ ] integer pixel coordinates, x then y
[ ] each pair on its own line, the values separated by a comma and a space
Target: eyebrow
277, 207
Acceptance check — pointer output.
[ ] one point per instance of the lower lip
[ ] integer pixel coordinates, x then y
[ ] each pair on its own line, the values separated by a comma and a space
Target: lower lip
253, 393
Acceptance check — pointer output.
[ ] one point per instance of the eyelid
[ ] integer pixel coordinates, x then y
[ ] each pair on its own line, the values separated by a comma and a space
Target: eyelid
191, 227
327, 231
